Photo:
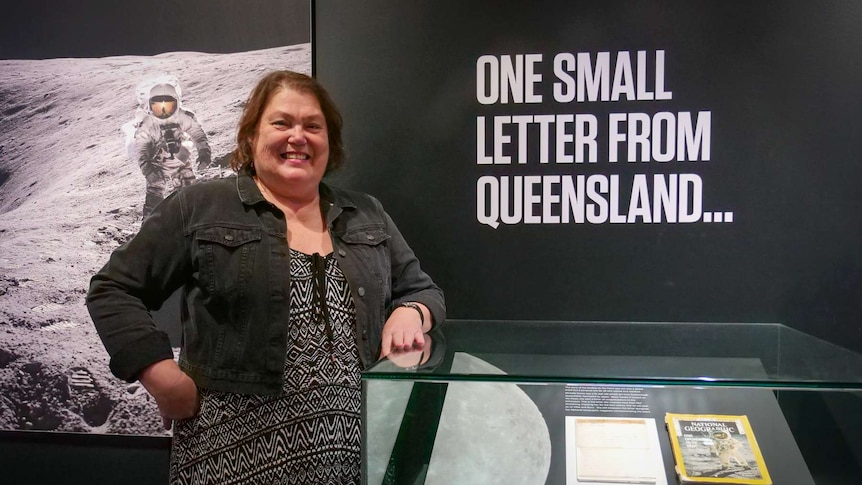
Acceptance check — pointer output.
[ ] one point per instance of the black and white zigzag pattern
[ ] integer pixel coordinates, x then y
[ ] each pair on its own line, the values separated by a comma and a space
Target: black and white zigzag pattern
307, 435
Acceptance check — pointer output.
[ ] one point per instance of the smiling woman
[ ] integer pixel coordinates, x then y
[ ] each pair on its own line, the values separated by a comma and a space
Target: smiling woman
292, 287
291, 148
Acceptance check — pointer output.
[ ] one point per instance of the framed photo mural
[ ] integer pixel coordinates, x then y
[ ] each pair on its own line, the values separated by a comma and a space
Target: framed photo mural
82, 160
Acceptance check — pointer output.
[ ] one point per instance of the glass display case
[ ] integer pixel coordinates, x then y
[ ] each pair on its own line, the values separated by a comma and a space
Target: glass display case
499, 401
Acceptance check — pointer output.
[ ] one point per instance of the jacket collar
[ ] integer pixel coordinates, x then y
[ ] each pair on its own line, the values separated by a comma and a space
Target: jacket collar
248, 192
332, 203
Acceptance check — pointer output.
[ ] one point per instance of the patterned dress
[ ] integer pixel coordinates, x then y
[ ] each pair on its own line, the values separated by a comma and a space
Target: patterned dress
308, 434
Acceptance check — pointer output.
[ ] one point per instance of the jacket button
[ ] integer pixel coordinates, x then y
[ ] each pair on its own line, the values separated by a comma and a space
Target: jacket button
228, 237
342, 253
361, 291
370, 237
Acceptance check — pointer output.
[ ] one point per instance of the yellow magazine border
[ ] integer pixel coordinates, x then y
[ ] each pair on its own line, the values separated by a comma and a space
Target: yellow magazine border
677, 451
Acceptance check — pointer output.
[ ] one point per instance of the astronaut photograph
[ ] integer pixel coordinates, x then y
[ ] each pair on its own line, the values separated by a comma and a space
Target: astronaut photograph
99, 121
161, 140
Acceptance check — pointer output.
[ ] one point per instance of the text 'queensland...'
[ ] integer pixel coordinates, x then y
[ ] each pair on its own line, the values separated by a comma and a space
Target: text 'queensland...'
589, 138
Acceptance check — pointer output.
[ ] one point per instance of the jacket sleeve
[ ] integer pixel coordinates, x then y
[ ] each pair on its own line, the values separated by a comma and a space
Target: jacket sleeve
139, 276
409, 281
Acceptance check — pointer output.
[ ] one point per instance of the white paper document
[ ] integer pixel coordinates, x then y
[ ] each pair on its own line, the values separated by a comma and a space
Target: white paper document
612, 450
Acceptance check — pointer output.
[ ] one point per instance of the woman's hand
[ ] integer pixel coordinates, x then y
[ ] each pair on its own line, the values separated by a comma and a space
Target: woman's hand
412, 358
174, 391
404, 330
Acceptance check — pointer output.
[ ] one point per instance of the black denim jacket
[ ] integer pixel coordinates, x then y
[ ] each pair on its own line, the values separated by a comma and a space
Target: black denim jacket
226, 246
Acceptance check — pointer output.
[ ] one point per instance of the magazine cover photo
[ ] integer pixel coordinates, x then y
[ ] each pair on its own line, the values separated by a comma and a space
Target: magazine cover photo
716, 449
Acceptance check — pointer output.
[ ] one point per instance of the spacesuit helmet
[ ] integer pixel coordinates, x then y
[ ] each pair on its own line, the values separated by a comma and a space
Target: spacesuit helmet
163, 100
720, 435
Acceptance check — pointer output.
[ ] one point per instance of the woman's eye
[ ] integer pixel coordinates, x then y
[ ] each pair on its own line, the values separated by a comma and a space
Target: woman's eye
279, 123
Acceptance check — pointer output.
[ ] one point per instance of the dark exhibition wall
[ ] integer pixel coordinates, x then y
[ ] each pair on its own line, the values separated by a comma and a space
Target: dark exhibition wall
42, 29
613, 161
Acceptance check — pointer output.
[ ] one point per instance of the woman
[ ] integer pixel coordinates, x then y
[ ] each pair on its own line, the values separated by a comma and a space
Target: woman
290, 286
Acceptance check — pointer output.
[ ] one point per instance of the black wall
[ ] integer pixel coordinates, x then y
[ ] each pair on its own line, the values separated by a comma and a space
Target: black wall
42, 29
43, 458
784, 89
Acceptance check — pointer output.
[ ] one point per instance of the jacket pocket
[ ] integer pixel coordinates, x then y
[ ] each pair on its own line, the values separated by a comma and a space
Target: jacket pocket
226, 257
371, 235
368, 245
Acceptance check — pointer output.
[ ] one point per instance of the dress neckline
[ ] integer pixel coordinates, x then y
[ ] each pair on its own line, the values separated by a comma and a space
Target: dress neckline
324, 256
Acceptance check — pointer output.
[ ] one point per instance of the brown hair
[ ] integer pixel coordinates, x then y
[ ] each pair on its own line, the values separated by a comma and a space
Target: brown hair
242, 159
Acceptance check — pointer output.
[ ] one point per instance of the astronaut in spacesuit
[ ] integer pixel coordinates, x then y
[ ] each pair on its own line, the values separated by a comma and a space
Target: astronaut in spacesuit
726, 447
163, 143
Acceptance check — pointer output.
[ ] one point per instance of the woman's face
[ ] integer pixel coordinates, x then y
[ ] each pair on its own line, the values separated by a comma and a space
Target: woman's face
291, 145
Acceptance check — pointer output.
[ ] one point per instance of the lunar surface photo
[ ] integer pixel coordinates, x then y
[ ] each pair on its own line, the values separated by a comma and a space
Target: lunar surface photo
69, 196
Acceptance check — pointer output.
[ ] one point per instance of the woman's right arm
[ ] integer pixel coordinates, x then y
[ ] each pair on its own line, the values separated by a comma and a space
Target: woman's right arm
139, 276
174, 391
